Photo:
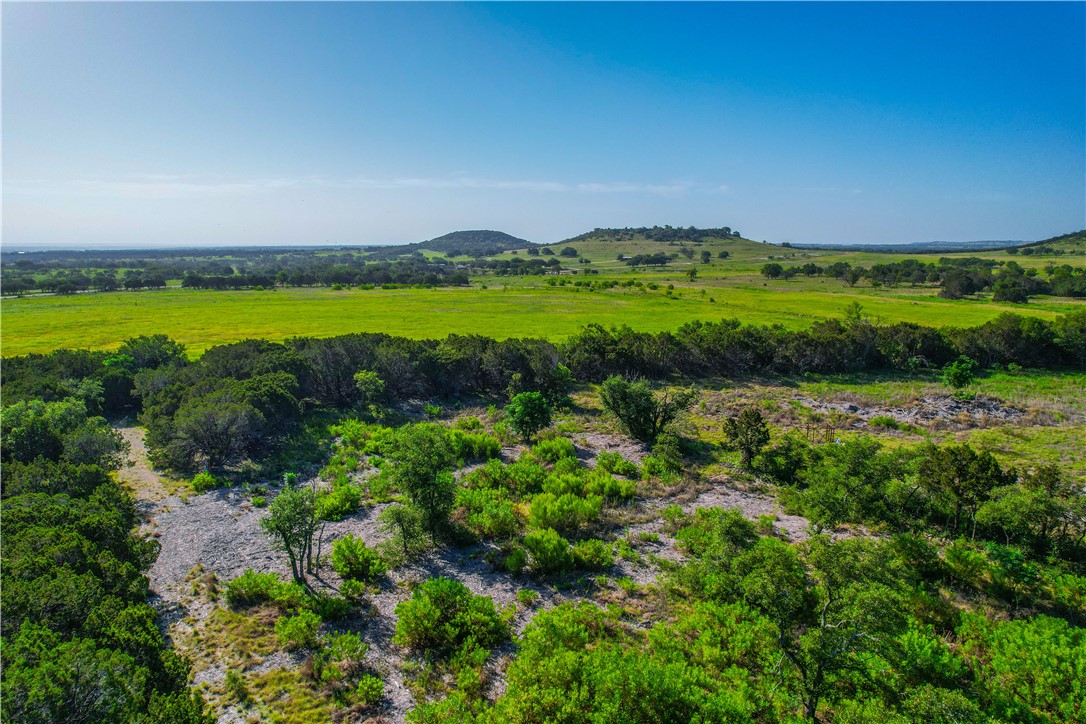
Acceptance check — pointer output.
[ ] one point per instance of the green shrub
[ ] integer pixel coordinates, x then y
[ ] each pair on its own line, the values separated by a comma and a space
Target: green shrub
369, 691
341, 501
299, 631
202, 482
564, 513
329, 607
548, 551
527, 597
290, 596
965, 563
235, 686
516, 560
668, 451
884, 422
354, 560
353, 591
960, 373
528, 413
490, 514
259, 501
600, 483
553, 450
474, 446
525, 477
593, 555
674, 517
614, 463
250, 588
443, 616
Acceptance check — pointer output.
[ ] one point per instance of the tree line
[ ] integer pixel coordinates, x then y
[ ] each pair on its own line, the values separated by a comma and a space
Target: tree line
957, 278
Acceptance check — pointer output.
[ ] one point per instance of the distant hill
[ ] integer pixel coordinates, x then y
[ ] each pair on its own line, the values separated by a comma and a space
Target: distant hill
664, 234
474, 242
477, 242
1073, 243
915, 247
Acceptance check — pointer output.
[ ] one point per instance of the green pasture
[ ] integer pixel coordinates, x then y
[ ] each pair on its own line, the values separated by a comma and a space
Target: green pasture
508, 307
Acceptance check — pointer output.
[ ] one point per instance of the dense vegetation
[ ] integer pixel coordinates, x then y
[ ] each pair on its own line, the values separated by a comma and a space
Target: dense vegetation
956, 277
80, 641
110, 271
666, 234
937, 584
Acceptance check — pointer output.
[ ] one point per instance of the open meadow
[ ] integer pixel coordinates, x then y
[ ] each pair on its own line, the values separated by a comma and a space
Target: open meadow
496, 306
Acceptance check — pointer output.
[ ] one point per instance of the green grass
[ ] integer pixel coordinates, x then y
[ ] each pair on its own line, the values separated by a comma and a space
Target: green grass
1027, 447
510, 307
1060, 393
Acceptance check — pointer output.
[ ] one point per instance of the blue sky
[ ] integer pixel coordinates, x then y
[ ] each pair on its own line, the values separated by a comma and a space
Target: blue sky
222, 124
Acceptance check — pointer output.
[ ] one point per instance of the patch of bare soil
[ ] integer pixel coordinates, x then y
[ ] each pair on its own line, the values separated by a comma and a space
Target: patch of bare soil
219, 533
136, 474
931, 410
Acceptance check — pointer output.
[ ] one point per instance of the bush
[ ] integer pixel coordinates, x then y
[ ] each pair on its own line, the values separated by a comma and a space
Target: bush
614, 463
203, 482
443, 617
251, 588
354, 560
290, 596
548, 551
340, 502
259, 501
960, 373
884, 422
369, 691
593, 555
565, 513
553, 450
516, 560
528, 413
235, 686
328, 607
474, 446
353, 591
490, 514
525, 477
299, 631
599, 483
642, 414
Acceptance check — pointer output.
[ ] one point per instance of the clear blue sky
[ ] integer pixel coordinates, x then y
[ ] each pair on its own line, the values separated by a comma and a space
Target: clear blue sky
221, 124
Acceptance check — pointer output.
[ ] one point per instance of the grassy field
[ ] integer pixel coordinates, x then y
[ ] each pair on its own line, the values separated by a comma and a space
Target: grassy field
202, 319
513, 306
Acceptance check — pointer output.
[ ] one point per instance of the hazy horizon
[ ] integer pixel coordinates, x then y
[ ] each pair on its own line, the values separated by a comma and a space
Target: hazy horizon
226, 125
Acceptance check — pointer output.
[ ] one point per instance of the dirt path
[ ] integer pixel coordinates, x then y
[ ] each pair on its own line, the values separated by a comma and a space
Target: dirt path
147, 485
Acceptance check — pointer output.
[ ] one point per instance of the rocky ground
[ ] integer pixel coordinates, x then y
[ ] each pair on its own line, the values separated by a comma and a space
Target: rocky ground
929, 410
219, 533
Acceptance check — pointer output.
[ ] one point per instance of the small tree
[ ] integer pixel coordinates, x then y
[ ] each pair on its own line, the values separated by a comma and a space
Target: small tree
291, 523
371, 388
960, 372
748, 432
420, 467
643, 415
404, 524
772, 270
706, 256
528, 413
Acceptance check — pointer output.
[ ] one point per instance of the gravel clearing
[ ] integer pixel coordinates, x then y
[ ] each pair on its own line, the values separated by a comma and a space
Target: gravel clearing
219, 533
928, 410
